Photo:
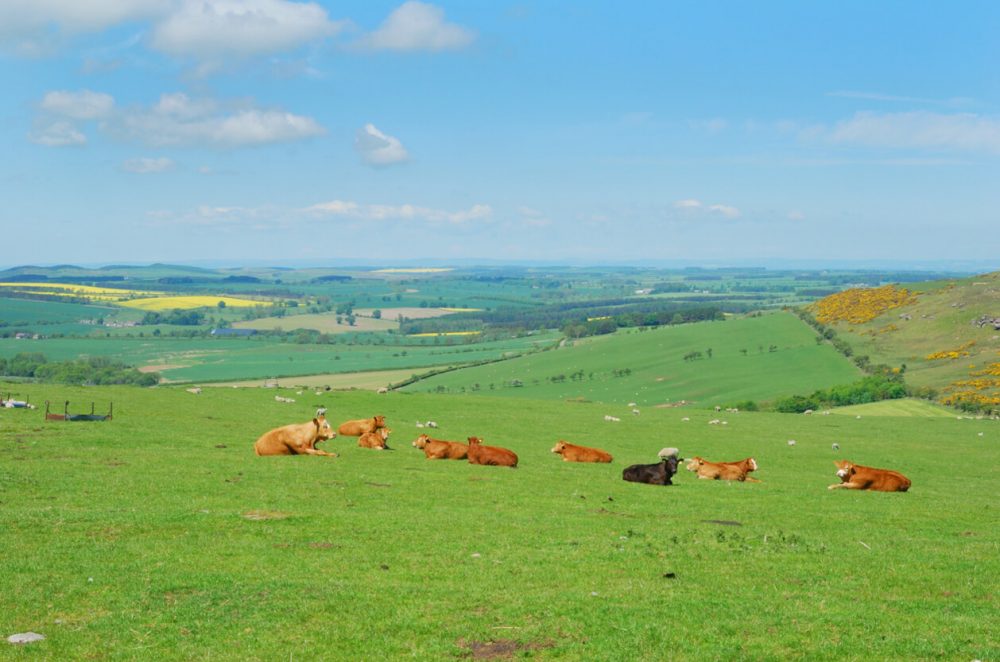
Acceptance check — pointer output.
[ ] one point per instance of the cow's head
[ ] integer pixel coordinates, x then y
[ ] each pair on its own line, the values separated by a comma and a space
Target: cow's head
694, 463
751, 464
845, 469
378, 421
559, 447
421, 441
474, 441
323, 429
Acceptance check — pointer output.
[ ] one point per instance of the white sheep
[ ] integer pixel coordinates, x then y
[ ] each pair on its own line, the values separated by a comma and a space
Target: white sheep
791, 442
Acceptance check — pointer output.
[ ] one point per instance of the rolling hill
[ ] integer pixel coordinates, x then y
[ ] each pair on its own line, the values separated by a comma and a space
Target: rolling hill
759, 357
939, 338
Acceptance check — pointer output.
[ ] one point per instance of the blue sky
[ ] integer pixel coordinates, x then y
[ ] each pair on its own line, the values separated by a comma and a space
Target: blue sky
688, 132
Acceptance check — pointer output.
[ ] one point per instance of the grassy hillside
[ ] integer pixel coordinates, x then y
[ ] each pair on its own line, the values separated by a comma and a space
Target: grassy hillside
940, 321
160, 535
901, 407
752, 358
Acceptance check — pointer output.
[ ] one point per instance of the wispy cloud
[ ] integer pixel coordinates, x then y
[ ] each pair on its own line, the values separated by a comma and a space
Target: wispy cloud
377, 148
178, 120
82, 105
919, 130
878, 96
694, 206
58, 134
418, 26
148, 165
404, 212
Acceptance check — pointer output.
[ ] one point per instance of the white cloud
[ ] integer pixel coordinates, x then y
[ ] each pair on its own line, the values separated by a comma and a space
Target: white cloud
83, 105
711, 126
403, 212
918, 130
147, 165
692, 205
175, 120
378, 149
58, 134
179, 120
417, 26
33, 27
725, 210
796, 215
240, 28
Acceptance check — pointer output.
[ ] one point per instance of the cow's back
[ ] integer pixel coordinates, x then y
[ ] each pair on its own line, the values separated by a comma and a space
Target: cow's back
572, 453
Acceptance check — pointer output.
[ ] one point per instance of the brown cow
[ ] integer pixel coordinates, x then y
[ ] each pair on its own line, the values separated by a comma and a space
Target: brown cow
438, 449
376, 439
297, 438
856, 477
723, 470
573, 453
358, 427
493, 455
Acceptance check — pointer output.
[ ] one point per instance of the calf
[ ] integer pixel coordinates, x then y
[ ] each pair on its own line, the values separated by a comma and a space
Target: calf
438, 449
358, 427
723, 470
856, 477
653, 474
493, 455
574, 453
297, 438
375, 439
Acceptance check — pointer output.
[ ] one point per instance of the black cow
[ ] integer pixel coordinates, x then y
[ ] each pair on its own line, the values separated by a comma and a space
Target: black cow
654, 474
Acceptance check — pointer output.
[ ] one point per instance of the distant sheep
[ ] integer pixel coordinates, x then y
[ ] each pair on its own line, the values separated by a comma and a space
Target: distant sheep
196, 390
382, 390
279, 398
835, 446
635, 412
791, 442
613, 419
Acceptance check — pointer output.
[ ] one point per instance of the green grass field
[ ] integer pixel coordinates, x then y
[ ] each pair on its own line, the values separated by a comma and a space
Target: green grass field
742, 365
218, 359
901, 407
159, 535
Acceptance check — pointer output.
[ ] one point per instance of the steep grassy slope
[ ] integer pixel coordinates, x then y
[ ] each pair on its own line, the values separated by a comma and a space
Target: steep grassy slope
940, 321
752, 358
161, 536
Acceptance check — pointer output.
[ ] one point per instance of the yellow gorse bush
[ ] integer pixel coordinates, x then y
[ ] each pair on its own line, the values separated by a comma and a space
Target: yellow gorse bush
958, 352
861, 304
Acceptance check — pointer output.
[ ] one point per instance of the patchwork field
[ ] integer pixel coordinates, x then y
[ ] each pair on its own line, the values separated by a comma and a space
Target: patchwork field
225, 359
746, 358
159, 535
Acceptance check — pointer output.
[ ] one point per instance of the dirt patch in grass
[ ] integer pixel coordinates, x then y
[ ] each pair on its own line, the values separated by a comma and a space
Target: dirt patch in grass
722, 522
499, 649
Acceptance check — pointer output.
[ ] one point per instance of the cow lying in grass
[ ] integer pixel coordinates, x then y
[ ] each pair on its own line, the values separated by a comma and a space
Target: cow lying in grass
375, 439
723, 470
573, 453
297, 438
654, 474
360, 426
856, 477
438, 449
492, 455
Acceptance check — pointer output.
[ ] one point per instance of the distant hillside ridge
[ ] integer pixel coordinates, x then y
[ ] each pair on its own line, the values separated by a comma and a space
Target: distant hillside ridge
944, 335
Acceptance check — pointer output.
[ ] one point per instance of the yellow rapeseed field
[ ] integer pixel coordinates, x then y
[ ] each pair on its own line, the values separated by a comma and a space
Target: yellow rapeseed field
72, 290
186, 302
